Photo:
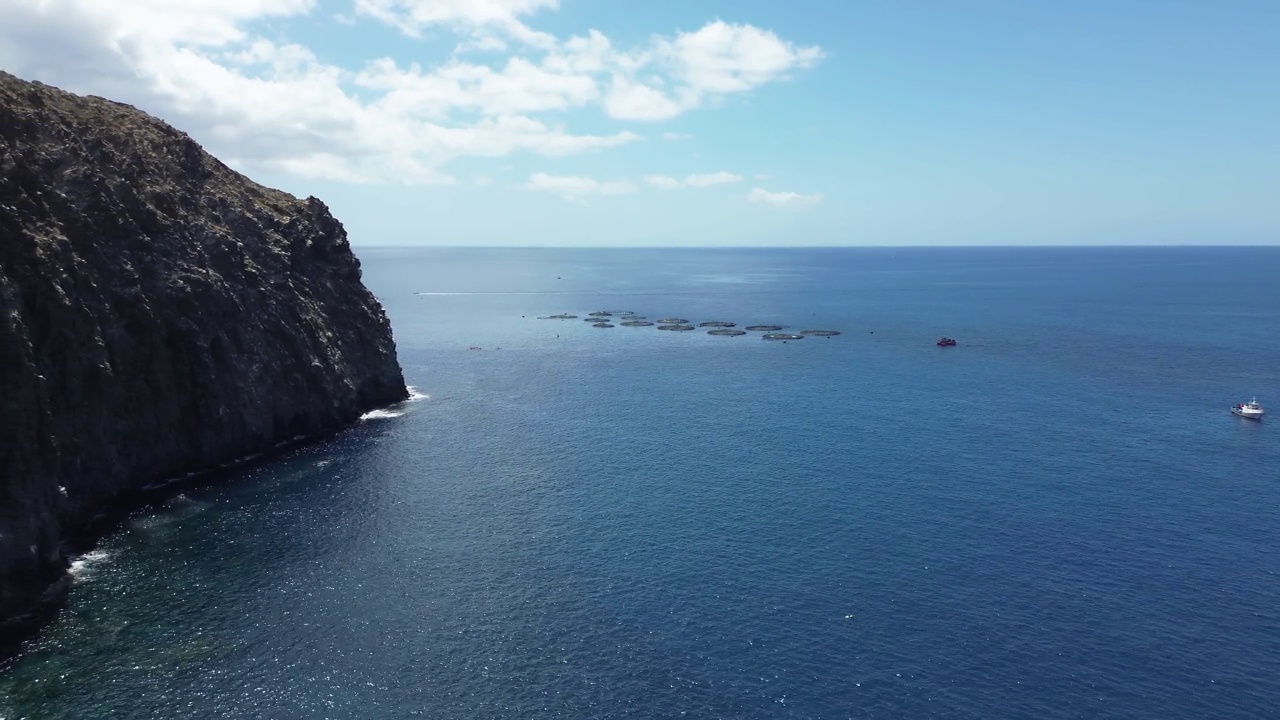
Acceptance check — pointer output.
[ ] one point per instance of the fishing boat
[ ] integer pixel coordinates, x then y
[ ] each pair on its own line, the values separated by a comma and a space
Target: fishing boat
1250, 410
946, 342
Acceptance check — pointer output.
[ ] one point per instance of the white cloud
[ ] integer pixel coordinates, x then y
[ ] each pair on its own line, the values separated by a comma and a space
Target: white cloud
519, 87
723, 58
576, 188
662, 182
478, 17
665, 182
675, 136
629, 100
275, 105
716, 178
718, 60
783, 199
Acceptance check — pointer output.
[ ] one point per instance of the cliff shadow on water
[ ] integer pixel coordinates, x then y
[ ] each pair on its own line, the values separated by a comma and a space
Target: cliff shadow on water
162, 315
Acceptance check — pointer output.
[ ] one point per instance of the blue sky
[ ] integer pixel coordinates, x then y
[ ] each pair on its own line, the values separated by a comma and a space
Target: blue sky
594, 123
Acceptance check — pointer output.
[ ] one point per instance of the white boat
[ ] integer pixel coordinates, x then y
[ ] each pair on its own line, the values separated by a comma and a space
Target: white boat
1251, 410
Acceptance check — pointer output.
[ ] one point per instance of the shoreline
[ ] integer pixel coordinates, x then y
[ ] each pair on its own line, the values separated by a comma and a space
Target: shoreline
16, 631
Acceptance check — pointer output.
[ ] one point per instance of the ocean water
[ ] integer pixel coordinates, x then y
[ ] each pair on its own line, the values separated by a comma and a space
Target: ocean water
1058, 518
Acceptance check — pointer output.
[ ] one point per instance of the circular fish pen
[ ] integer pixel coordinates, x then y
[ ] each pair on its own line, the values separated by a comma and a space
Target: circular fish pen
781, 336
601, 325
558, 317
636, 323
765, 328
717, 324
676, 328
600, 313
673, 321
820, 333
727, 333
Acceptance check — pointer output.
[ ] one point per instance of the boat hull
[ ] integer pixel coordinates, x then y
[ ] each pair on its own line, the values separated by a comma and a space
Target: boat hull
1246, 414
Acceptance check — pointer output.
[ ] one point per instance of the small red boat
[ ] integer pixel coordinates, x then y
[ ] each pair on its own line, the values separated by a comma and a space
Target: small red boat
946, 342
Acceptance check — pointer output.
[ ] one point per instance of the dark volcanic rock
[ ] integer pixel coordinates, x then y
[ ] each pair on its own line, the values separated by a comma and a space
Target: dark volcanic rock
159, 314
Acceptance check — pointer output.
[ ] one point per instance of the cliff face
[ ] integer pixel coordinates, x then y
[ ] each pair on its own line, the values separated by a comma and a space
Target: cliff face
159, 314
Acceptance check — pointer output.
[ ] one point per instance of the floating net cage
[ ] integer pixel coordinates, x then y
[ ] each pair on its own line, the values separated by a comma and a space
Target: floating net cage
719, 328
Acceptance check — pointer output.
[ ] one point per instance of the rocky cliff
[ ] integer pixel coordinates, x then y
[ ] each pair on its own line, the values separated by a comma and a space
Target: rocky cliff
159, 314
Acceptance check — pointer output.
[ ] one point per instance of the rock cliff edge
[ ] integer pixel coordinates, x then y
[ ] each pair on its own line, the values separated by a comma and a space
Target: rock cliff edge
159, 314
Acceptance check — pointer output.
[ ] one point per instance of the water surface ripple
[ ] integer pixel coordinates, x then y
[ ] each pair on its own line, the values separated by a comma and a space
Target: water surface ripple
1056, 519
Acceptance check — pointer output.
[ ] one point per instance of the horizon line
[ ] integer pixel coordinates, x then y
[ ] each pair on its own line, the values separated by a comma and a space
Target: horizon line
812, 247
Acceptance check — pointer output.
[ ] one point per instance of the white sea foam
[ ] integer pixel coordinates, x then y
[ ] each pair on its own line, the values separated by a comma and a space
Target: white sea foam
82, 567
396, 410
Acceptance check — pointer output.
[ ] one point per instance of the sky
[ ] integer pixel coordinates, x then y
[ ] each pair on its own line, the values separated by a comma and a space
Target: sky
709, 122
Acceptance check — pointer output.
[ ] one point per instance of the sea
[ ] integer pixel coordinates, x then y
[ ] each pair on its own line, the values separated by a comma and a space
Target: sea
1056, 518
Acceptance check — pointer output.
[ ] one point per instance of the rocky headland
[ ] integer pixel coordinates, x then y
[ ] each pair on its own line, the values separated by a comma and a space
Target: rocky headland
160, 314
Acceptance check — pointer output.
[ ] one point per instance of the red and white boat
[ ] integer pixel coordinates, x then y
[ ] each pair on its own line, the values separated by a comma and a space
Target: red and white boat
1250, 410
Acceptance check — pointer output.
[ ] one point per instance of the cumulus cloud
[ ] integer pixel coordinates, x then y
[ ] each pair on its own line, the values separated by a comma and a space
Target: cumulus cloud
717, 60
518, 87
267, 103
664, 182
630, 100
674, 136
783, 199
715, 178
723, 58
481, 18
576, 188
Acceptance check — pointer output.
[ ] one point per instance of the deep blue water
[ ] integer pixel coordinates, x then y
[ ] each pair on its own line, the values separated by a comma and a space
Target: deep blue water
1056, 519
